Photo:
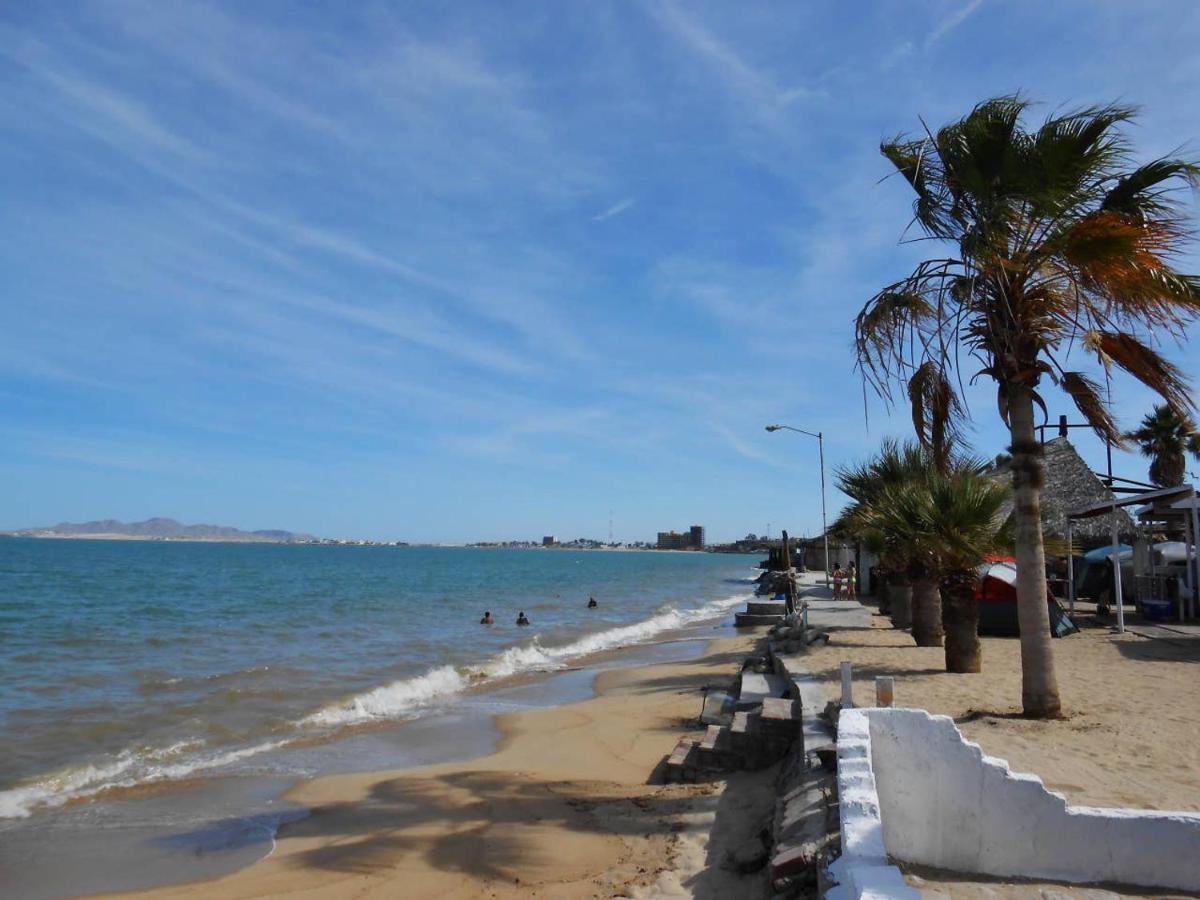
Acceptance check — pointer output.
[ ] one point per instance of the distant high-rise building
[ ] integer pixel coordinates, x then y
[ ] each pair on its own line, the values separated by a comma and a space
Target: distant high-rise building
548, 541
692, 539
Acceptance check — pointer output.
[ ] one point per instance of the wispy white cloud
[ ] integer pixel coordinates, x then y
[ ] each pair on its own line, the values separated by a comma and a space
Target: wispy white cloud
761, 95
378, 231
956, 17
896, 55
615, 210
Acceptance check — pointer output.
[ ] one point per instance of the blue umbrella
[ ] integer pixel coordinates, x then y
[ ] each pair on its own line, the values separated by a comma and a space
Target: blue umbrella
1103, 554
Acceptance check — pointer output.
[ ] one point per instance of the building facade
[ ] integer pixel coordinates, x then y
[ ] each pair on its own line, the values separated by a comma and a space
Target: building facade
692, 539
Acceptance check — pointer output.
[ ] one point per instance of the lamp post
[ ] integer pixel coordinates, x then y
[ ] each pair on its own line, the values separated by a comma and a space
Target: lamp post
821, 446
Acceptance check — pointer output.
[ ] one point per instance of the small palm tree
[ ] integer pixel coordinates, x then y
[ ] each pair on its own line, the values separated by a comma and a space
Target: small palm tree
1167, 438
865, 484
894, 513
964, 519
1054, 241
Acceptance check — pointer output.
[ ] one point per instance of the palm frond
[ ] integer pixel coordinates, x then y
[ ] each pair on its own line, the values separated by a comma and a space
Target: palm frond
1139, 196
1086, 395
1143, 363
936, 411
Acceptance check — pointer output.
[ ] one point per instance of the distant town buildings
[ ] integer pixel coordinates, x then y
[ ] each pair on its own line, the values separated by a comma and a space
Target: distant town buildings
548, 540
692, 539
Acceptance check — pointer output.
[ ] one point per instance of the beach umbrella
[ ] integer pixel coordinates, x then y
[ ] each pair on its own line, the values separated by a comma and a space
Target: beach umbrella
1104, 554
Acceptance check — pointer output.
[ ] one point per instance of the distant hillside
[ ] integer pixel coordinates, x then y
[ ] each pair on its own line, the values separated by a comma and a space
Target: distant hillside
161, 528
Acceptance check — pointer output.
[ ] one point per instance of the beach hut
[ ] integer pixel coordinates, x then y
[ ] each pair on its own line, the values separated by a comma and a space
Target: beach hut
1161, 505
1070, 484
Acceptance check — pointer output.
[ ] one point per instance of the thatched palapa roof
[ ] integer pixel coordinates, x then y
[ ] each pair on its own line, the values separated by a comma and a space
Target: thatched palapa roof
1070, 484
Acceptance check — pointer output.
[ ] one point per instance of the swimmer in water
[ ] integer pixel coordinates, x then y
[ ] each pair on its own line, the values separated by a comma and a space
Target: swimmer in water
487, 619
592, 604
521, 620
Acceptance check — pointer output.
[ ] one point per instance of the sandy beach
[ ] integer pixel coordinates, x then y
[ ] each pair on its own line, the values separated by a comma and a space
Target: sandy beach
1130, 733
565, 807
562, 809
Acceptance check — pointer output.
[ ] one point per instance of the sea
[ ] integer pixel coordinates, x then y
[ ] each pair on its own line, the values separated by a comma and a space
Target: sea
159, 697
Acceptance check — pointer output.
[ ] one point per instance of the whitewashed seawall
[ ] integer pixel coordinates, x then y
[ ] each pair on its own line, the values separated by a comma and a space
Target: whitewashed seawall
942, 803
863, 870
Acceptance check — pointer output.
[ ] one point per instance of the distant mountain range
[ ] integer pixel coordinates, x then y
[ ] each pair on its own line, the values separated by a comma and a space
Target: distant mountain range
161, 528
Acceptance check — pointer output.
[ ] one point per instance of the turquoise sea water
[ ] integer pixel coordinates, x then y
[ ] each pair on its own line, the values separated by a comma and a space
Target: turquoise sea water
150, 662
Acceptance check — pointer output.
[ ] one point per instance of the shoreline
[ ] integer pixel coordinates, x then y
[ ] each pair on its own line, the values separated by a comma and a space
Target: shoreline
478, 827
347, 542
573, 776
200, 828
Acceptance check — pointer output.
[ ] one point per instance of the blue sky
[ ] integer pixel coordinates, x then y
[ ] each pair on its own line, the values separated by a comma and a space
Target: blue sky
475, 271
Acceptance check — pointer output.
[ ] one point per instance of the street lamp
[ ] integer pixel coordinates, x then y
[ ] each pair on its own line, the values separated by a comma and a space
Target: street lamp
821, 445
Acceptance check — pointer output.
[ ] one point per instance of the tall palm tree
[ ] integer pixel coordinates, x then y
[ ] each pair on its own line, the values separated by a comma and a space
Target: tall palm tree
1055, 240
1166, 438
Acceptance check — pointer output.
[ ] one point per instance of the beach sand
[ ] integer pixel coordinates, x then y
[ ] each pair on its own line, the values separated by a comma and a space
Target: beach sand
1131, 733
563, 808
1129, 736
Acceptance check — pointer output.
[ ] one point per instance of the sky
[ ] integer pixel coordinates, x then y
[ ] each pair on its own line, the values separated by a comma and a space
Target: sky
479, 271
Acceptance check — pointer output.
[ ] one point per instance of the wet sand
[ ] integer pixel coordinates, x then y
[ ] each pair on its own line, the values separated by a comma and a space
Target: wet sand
563, 808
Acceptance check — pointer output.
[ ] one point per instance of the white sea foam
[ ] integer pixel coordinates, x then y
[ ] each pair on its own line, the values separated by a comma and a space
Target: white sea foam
386, 700
401, 699
407, 697
128, 768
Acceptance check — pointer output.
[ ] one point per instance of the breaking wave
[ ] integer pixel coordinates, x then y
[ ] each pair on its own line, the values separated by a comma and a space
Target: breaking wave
405, 698
129, 768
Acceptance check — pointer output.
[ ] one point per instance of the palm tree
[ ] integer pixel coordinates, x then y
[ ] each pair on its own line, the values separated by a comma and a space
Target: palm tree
893, 513
963, 517
865, 484
1054, 240
1166, 438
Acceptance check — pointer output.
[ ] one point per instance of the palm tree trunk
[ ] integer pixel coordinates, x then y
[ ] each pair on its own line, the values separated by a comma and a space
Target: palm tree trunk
1039, 686
885, 600
900, 594
926, 613
960, 617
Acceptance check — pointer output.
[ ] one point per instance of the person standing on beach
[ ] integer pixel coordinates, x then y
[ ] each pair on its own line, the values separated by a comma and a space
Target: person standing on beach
852, 582
838, 577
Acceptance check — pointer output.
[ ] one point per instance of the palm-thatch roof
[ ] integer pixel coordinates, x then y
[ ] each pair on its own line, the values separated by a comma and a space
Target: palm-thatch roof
1070, 484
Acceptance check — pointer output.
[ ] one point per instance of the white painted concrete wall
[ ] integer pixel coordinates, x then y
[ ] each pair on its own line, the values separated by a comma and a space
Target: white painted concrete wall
863, 869
942, 803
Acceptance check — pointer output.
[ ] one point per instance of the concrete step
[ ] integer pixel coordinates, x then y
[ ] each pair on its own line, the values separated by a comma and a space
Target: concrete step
719, 751
755, 688
718, 708
780, 709
682, 763
766, 608
748, 620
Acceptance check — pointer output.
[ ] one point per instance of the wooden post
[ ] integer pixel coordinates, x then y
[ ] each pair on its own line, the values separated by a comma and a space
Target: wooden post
790, 592
1070, 572
884, 690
